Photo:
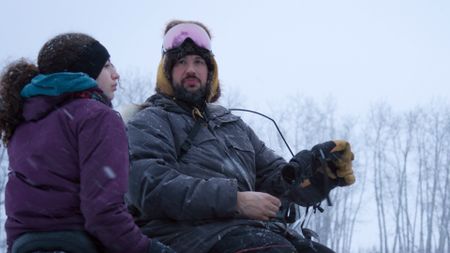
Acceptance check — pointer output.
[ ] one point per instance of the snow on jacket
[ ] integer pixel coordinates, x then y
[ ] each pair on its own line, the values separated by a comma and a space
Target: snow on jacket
189, 201
69, 171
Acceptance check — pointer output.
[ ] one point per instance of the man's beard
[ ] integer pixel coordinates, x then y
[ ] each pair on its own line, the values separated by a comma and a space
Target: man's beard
196, 98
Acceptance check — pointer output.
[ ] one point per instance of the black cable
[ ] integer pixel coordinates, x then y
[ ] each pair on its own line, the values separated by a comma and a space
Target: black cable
267, 117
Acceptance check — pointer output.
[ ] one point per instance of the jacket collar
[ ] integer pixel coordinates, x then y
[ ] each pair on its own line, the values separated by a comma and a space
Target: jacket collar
57, 84
212, 112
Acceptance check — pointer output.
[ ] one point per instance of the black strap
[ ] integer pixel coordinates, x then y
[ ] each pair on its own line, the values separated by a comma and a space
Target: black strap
323, 165
287, 212
187, 144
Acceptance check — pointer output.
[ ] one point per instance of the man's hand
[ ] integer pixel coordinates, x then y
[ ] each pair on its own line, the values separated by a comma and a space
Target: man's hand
333, 158
257, 205
300, 168
337, 156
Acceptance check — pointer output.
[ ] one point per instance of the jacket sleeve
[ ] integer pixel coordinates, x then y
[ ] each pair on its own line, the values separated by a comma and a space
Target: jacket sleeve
104, 165
269, 179
158, 189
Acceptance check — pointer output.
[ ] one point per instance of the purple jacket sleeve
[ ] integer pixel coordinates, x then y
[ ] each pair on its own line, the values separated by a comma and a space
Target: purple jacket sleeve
104, 165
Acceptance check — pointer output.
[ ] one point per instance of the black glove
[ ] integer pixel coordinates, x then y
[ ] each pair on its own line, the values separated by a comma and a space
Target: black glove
157, 247
300, 168
335, 159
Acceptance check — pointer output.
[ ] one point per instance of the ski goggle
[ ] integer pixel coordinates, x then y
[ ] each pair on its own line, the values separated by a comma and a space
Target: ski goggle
179, 33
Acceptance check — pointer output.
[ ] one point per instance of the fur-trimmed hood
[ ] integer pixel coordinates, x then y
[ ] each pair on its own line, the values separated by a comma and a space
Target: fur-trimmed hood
164, 86
187, 46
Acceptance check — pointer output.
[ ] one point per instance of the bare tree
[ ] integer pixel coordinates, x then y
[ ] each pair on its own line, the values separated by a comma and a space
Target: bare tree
436, 134
377, 130
440, 225
232, 98
347, 201
402, 145
307, 124
133, 89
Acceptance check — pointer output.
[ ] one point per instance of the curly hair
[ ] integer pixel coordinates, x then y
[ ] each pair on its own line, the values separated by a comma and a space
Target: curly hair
14, 77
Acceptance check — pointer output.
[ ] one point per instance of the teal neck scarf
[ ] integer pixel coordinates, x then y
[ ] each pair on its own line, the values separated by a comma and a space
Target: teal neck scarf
57, 84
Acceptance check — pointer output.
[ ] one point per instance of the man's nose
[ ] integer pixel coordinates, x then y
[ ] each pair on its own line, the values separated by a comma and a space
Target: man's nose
190, 68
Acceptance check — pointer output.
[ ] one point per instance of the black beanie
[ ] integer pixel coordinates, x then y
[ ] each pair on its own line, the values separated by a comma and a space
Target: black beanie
73, 52
91, 60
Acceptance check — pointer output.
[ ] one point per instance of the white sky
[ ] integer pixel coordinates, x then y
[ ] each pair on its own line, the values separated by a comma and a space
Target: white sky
358, 52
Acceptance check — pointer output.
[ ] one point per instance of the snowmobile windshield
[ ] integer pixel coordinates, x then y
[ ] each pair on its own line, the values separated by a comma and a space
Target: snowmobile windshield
179, 33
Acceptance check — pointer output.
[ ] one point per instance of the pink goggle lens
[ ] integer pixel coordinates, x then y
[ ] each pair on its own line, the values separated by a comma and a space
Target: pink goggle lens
179, 33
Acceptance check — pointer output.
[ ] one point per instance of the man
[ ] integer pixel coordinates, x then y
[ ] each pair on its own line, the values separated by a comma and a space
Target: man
201, 180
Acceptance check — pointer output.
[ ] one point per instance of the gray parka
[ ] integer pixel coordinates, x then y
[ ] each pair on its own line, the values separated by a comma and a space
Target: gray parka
189, 201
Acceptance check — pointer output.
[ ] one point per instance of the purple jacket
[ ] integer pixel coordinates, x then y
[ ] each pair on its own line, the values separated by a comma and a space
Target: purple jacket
69, 171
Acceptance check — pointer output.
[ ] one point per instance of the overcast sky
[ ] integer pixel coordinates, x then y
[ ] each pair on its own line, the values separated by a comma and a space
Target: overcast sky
358, 52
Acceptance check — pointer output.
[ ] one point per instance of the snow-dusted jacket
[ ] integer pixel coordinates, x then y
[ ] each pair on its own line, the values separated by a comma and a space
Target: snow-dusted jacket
189, 201
69, 171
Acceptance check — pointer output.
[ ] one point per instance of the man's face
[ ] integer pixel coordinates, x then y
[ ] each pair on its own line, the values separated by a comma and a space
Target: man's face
189, 77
